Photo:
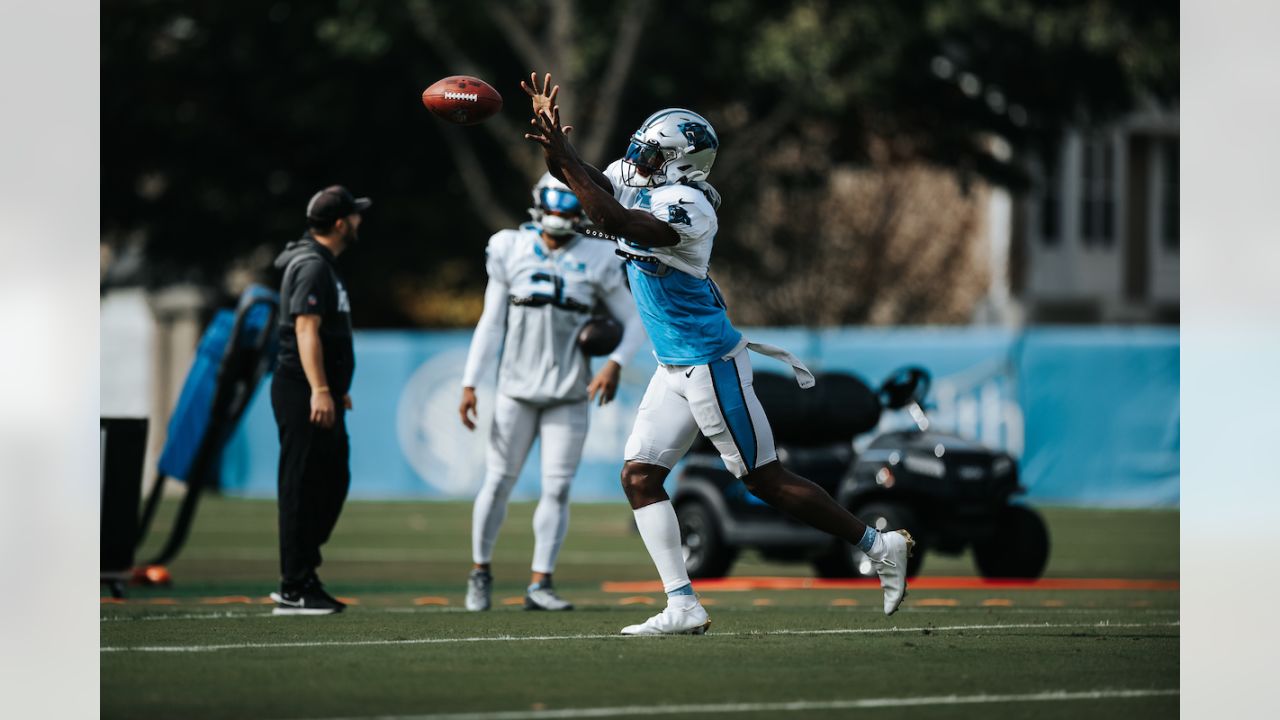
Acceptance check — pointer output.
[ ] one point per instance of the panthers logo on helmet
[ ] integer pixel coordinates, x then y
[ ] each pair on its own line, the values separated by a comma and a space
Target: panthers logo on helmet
678, 215
699, 137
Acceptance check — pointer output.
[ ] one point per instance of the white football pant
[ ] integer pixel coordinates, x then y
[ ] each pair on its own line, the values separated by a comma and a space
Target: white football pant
563, 430
717, 399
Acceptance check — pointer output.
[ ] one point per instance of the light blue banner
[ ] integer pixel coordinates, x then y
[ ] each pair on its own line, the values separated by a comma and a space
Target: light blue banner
1092, 413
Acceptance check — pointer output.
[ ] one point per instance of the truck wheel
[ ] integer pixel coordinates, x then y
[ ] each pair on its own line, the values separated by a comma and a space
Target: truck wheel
1019, 548
843, 560
705, 553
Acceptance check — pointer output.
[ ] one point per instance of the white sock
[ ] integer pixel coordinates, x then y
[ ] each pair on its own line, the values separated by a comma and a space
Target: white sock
661, 534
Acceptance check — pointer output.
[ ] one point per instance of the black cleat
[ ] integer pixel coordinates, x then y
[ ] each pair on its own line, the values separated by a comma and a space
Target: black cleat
305, 602
313, 585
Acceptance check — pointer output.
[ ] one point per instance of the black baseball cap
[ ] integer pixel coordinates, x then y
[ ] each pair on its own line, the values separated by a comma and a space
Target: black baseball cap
334, 202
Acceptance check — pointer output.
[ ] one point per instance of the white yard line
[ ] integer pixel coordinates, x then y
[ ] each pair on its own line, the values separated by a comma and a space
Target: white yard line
868, 609
184, 616
793, 706
611, 636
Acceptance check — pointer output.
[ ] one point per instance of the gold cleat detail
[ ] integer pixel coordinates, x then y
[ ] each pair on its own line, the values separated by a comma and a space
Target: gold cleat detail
911, 542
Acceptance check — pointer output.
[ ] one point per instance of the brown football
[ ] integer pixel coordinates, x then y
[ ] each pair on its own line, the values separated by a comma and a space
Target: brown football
462, 99
599, 336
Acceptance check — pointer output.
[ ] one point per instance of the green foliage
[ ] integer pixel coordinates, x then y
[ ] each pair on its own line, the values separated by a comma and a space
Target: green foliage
220, 119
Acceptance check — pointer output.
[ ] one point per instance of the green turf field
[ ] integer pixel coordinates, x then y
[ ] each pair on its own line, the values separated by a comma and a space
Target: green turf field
207, 647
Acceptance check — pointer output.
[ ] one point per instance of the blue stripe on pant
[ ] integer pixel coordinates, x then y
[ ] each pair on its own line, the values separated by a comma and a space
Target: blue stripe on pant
733, 405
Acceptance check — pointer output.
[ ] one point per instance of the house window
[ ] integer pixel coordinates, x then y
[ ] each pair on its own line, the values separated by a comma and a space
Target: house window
1097, 204
1169, 196
1050, 199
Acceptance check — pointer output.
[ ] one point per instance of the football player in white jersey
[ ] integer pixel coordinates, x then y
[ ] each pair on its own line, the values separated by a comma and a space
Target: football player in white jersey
544, 280
656, 200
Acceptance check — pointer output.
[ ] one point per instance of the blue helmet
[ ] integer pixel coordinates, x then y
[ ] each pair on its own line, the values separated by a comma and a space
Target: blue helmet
555, 208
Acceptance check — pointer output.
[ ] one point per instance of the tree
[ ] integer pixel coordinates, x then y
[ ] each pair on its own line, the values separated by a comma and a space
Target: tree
556, 46
220, 119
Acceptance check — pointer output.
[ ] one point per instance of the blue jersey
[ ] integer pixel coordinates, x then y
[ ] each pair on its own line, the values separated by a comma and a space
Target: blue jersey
681, 307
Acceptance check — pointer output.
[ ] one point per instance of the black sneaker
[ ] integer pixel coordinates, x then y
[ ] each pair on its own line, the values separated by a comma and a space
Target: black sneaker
306, 602
314, 585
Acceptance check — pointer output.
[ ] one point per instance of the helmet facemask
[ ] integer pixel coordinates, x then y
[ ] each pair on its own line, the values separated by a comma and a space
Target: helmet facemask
644, 165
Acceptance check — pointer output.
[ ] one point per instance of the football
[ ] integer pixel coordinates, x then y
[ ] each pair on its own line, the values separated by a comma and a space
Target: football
462, 99
600, 336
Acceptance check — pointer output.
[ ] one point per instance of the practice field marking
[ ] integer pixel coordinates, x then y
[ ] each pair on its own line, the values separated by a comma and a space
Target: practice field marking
745, 584
709, 602
399, 555
228, 600
792, 706
186, 616
614, 636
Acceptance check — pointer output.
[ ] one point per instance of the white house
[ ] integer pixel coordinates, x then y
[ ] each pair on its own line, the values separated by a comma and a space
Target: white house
1096, 240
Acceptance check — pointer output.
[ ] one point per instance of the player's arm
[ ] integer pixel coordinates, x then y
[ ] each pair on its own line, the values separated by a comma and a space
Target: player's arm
593, 189
485, 345
600, 179
307, 330
637, 226
544, 99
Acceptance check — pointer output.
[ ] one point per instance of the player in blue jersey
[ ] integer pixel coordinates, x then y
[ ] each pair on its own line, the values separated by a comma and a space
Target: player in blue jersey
657, 201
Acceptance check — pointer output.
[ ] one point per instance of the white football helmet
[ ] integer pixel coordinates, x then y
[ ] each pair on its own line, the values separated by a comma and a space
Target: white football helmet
555, 208
671, 146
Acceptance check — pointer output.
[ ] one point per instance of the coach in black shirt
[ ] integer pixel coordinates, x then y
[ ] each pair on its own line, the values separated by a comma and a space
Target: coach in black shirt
315, 366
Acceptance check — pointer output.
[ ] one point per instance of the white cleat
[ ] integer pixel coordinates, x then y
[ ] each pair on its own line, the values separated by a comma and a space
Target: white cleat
479, 589
673, 621
892, 568
545, 598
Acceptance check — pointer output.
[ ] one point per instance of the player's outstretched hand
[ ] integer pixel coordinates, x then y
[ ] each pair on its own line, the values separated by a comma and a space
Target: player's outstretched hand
542, 98
551, 136
468, 407
605, 382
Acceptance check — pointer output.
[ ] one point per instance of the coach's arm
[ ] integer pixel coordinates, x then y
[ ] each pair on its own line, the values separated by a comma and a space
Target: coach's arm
307, 329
